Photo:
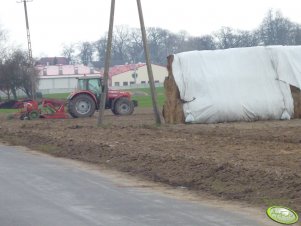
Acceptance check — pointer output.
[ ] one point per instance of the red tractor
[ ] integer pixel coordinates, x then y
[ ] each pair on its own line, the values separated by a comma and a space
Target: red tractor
86, 99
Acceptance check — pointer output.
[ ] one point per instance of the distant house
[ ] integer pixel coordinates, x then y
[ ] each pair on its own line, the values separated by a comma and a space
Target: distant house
135, 74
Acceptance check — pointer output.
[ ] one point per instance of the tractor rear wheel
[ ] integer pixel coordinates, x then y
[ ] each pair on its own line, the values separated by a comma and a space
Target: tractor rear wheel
81, 106
123, 106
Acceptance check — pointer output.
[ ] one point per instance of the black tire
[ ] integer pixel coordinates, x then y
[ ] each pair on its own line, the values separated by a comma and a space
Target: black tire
123, 106
81, 106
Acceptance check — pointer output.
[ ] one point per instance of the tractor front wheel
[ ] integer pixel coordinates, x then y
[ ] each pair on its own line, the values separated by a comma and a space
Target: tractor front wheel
81, 106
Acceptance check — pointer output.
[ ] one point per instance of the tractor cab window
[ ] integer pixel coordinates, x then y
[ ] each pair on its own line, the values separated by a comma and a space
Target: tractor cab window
94, 86
81, 84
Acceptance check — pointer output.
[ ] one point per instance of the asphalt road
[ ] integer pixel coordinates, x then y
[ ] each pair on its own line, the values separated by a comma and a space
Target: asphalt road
39, 190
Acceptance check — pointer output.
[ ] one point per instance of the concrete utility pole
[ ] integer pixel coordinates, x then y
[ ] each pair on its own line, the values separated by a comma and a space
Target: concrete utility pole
33, 90
148, 63
107, 66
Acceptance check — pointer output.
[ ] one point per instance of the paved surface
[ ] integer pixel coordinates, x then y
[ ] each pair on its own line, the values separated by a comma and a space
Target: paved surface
39, 190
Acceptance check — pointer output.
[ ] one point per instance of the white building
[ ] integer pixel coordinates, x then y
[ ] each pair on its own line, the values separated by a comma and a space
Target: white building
135, 74
61, 78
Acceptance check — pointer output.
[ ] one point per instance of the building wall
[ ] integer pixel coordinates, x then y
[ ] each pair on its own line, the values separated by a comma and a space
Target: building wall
58, 84
126, 78
53, 84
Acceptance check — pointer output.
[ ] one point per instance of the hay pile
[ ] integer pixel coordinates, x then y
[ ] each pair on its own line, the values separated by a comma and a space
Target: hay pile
173, 106
296, 94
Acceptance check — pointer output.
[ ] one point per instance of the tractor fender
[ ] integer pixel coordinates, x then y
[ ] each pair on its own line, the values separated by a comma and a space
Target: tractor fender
114, 95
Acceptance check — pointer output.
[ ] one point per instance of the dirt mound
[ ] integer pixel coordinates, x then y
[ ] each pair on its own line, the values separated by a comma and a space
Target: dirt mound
256, 162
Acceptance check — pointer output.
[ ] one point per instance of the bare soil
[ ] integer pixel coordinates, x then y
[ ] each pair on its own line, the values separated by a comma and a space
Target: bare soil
258, 162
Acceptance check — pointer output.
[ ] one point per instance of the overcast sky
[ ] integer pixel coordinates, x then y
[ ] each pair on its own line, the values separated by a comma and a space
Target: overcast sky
54, 22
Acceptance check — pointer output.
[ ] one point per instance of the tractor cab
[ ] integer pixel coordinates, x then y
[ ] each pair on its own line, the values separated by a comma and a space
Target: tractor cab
92, 84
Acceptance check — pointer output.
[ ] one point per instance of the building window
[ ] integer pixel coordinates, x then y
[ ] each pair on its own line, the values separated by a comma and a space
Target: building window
143, 82
132, 83
157, 81
125, 83
116, 84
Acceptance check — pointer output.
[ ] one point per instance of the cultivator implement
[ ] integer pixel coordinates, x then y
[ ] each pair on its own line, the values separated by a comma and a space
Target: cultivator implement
47, 109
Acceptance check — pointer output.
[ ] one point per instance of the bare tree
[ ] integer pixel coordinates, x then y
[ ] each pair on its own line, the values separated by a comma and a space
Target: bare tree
69, 53
135, 49
127, 44
201, 43
276, 29
121, 43
3, 38
4, 86
226, 38
247, 38
159, 44
16, 73
297, 35
230, 38
100, 47
86, 51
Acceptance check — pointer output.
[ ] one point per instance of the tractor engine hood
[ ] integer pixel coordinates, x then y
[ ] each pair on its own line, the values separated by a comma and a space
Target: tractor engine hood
117, 93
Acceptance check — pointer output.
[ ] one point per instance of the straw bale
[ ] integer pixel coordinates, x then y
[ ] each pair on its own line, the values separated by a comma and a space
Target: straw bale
173, 106
296, 94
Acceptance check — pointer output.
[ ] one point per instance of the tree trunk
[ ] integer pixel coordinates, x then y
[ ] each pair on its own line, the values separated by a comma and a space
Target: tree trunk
8, 94
14, 92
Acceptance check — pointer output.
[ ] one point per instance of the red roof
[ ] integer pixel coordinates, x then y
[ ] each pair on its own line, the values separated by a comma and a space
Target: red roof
119, 69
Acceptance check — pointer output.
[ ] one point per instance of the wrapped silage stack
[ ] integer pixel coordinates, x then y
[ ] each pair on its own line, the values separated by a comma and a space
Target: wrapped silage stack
240, 84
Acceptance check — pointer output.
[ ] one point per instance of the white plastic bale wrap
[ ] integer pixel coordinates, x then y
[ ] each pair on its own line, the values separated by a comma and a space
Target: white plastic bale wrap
243, 84
287, 63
